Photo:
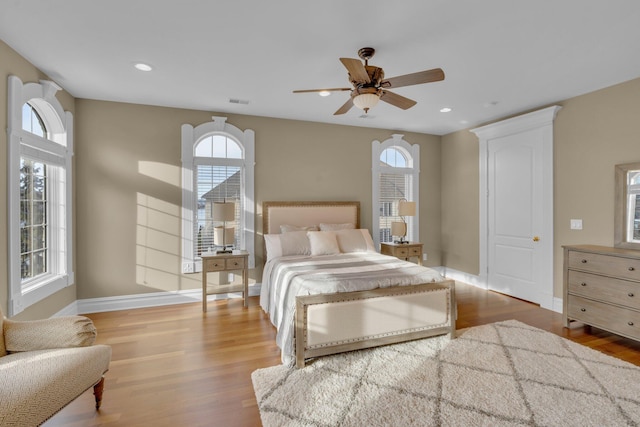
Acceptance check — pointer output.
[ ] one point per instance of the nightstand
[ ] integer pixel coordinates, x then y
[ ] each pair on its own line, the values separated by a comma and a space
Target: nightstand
225, 262
403, 251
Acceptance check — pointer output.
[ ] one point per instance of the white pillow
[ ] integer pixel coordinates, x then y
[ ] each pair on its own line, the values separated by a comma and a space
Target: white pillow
323, 243
355, 240
334, 227
287, 228
292, 243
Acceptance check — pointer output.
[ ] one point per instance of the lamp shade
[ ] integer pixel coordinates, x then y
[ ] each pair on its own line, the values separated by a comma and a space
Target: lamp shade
398, 229
223, 211
364, 101
406, 208
223, 236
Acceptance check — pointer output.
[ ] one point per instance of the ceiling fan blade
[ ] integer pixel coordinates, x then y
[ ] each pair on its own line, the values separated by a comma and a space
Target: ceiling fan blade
334, 89
420, 77
346, 107
397, 100
356, 70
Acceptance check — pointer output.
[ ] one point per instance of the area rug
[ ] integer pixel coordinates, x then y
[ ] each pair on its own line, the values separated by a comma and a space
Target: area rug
501, 374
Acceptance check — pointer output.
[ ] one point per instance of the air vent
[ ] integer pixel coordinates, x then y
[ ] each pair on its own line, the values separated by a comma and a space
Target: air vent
238, 101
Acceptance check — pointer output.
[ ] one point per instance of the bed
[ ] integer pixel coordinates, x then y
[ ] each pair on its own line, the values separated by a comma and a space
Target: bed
327, 290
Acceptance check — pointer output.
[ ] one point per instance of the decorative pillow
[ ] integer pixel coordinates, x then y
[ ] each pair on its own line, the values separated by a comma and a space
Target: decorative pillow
287, 228
323, 243
334, 227
292, 243
358, 240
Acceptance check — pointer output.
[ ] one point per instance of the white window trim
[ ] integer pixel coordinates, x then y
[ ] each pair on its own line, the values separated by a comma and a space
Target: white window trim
59, 124
377, 147
191, 135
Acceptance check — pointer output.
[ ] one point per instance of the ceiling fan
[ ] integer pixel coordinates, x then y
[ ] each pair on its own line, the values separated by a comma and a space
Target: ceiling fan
370, 86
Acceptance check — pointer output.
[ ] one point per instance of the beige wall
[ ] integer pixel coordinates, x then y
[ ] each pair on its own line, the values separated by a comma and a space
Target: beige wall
13, 64
128, 187
592, 133
460, 202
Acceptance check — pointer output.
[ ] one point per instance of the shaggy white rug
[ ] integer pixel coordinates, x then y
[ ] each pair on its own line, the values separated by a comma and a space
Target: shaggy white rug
502, 374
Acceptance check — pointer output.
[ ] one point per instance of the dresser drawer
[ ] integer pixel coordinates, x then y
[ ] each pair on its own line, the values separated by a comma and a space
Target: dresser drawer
615, 319
603, 288
625, 268
235, 263
214, 264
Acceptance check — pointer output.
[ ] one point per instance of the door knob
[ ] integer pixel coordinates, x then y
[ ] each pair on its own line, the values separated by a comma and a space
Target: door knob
536, 238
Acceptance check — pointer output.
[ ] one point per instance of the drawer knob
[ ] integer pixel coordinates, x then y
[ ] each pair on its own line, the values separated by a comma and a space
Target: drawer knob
631, 268
630, 323
630, 294
584, 261
583, 309
583, 284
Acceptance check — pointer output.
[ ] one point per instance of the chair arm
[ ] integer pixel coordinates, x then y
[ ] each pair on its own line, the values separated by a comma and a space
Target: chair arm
57, 332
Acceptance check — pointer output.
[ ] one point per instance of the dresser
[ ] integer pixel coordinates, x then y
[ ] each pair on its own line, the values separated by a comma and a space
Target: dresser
404, 251
602, 288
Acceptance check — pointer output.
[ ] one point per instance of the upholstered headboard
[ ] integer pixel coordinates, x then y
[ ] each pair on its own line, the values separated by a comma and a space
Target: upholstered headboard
304, 214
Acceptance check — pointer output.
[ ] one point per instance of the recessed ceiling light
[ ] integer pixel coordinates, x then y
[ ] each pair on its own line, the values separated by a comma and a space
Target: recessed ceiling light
445, 110
143, 67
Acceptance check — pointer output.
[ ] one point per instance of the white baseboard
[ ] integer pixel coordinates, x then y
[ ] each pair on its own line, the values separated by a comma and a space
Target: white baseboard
477, 281
156, 299
153, 299
461, 276
558, 305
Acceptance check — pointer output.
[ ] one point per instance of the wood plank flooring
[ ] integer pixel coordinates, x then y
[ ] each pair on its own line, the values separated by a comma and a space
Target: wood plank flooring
177, 366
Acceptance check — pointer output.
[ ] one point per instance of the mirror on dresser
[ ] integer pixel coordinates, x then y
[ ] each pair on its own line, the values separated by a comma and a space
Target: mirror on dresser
627, 206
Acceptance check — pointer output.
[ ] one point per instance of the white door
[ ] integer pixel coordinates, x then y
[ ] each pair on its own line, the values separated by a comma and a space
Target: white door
515, 183
516, 206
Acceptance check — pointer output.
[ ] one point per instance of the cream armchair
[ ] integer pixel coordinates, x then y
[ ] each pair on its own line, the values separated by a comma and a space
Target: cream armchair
45, 365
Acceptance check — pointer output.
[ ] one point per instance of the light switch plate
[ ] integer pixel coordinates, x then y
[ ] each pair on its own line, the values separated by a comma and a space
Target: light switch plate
576, 224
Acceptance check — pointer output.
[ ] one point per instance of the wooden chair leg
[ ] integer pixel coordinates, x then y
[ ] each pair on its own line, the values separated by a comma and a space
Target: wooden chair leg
97, 392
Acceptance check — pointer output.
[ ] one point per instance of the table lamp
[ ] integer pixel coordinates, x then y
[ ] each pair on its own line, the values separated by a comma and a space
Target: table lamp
399, 229
223, 236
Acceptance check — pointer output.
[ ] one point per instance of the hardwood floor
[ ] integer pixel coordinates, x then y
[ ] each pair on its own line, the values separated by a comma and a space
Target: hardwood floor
177, 366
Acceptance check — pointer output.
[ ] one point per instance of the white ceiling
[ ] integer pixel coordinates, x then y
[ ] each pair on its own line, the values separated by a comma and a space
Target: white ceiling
500, 57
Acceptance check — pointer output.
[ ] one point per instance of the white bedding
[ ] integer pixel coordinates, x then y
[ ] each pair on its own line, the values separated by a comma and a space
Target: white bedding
286, 277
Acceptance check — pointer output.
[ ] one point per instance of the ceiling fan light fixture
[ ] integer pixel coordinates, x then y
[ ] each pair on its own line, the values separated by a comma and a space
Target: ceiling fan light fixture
365, 101
324, 93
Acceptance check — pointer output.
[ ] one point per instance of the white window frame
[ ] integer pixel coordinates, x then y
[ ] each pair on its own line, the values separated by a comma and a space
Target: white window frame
412, 153
56, 150
190, 137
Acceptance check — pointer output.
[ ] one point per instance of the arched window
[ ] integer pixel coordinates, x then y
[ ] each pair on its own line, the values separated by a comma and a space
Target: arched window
39, 193
217, 165
395, 166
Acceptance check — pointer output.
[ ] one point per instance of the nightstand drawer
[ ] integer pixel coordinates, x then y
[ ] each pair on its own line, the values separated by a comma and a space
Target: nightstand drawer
235, 263
415, 251
214, 264
401, 252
